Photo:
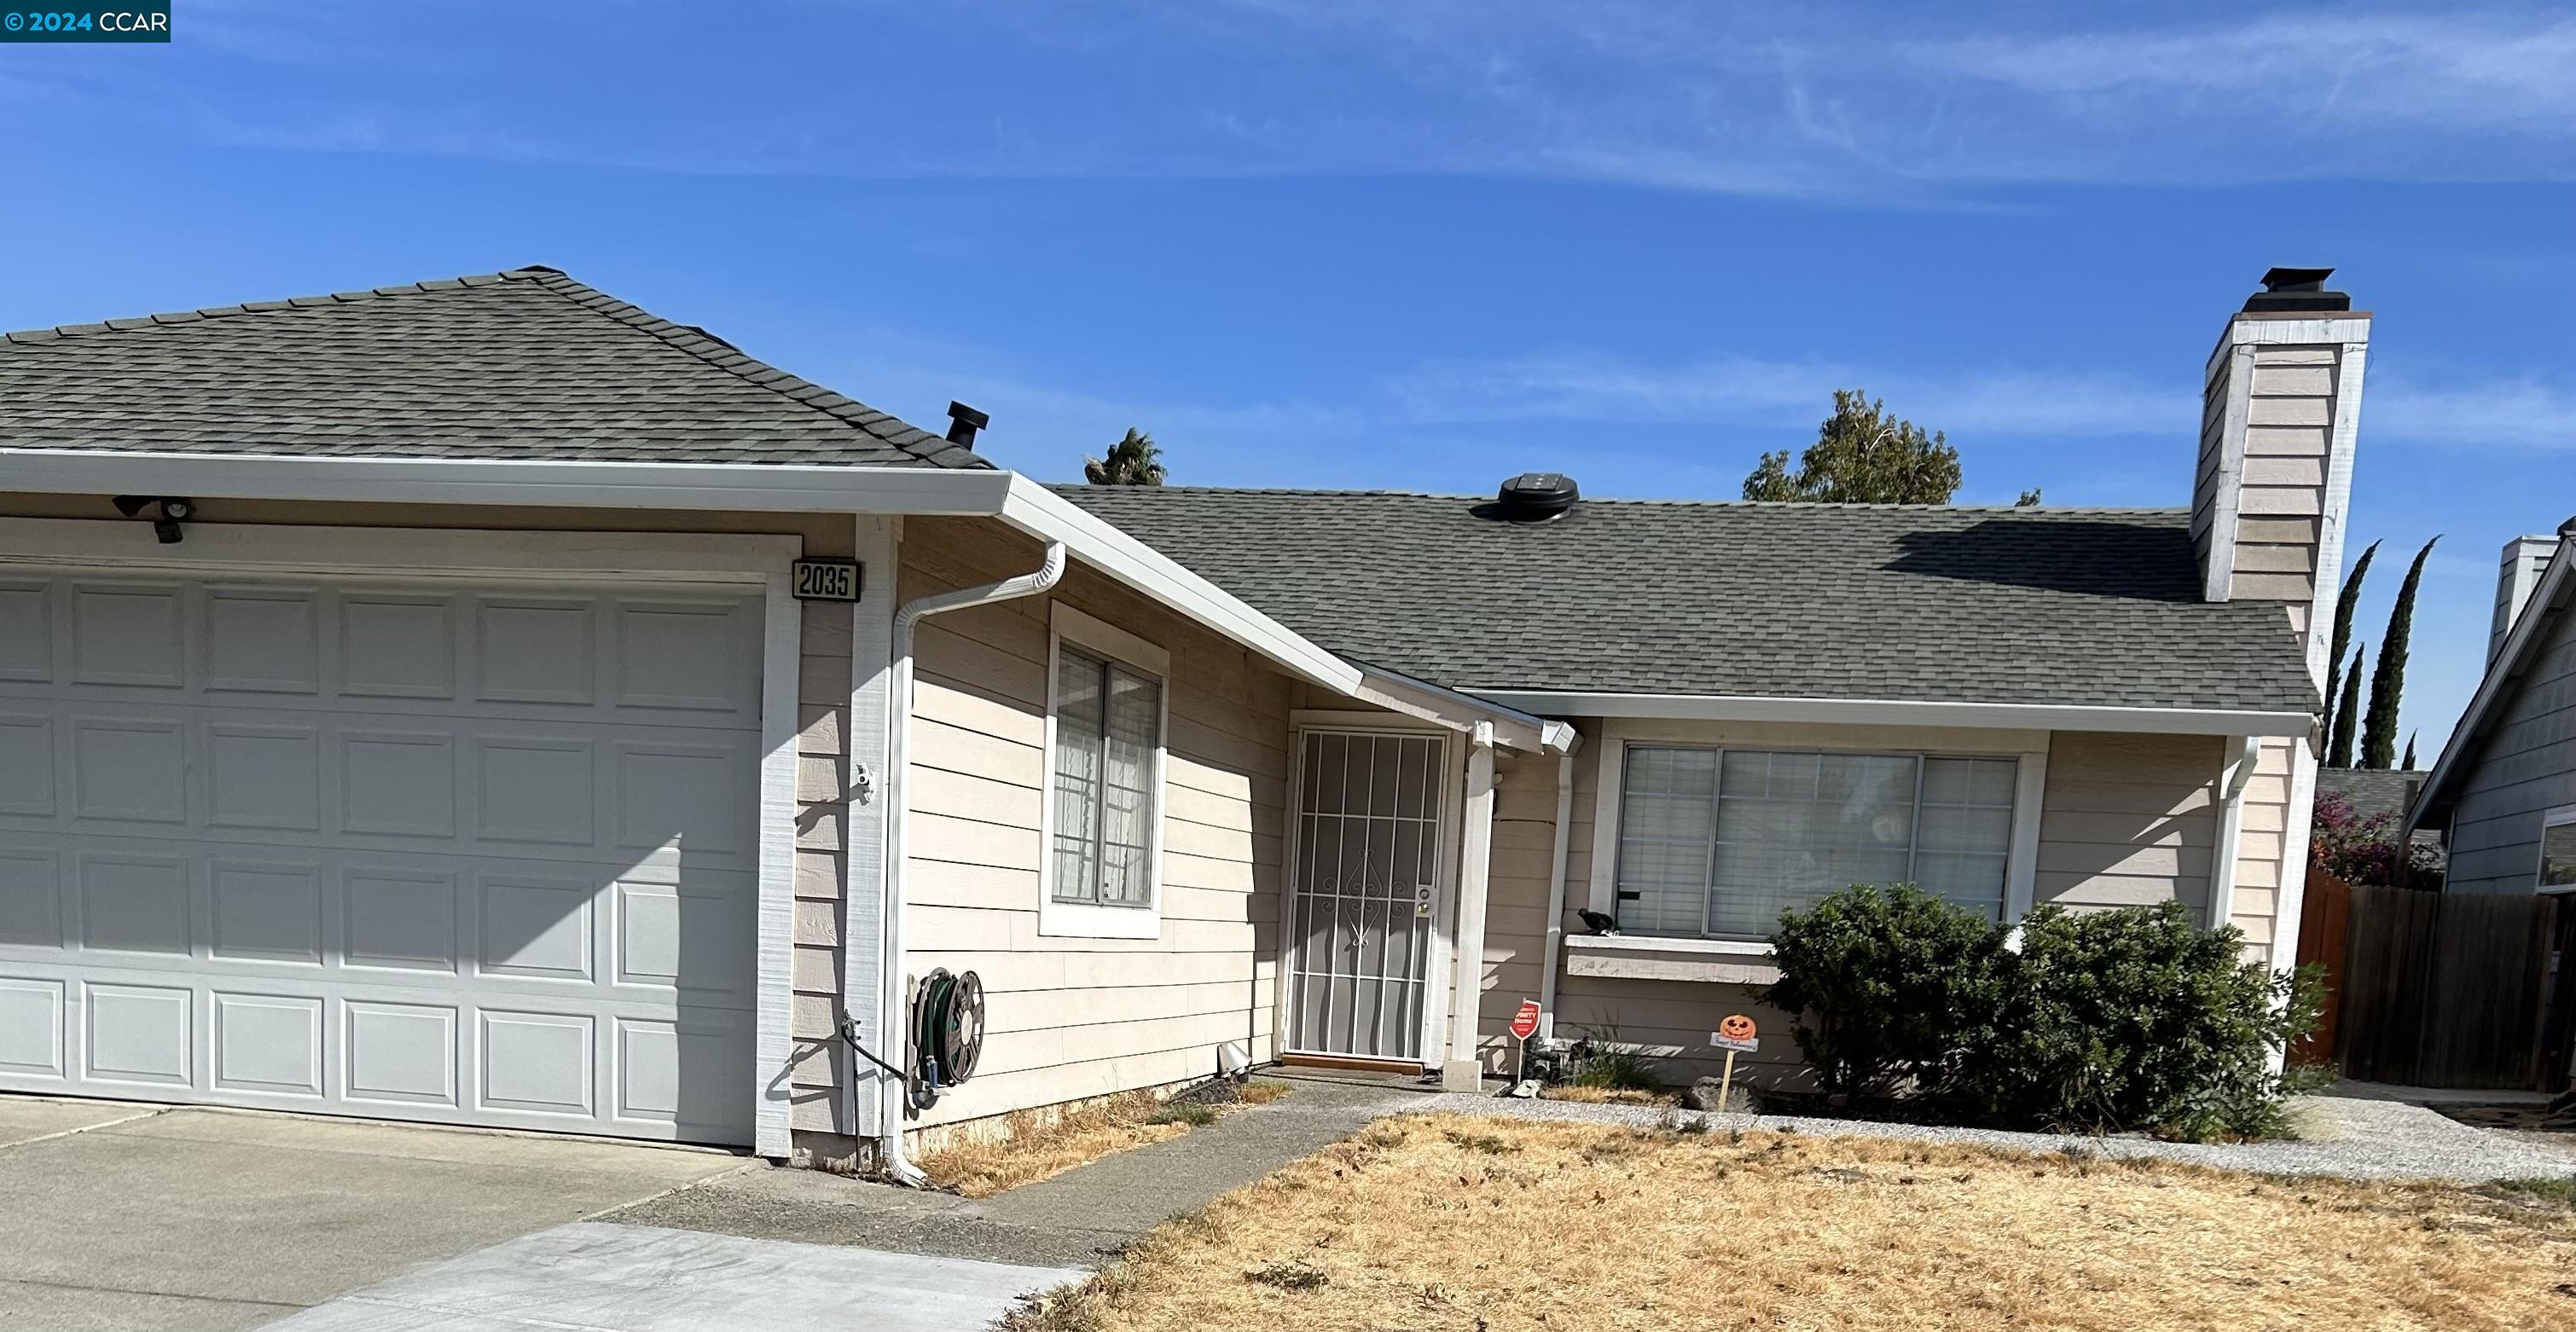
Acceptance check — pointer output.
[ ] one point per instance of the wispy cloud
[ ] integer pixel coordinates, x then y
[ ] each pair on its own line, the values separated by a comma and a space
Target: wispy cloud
2527, 414
1830, 100
1733, 389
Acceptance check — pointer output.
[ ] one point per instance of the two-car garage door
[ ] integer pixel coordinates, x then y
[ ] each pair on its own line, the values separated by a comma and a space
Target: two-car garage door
478, 855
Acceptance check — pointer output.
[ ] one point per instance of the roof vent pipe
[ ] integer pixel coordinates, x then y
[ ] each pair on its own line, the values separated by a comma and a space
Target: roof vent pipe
1535, 497
963, 422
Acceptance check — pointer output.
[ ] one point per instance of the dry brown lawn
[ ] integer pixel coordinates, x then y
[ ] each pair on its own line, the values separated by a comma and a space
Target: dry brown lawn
1035, 1147
1489, 1224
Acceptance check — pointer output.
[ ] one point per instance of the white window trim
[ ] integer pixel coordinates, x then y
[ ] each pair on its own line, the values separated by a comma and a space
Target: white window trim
2557, 817
1083, 920
2021, 867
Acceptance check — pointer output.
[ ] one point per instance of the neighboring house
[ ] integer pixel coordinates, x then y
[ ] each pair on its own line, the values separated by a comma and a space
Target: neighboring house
2376, 791
2503, 794
460, 750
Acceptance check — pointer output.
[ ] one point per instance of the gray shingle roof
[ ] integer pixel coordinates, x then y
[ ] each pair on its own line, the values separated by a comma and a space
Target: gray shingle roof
2372, 790
523, 364
2093, 607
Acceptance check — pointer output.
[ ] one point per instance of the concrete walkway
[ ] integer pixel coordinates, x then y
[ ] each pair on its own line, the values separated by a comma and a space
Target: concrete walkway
1081, 1218
137, 1217
594, 1277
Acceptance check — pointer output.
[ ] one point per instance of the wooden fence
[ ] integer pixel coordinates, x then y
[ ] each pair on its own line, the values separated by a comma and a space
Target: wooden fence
2432, 989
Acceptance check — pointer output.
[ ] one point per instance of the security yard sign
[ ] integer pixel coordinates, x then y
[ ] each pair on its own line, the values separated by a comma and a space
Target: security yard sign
1525, 1022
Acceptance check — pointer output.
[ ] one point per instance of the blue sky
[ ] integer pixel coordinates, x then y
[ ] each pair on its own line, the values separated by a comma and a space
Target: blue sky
1418, 245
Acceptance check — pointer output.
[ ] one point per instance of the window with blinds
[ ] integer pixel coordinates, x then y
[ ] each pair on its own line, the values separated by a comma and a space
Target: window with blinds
1108, 724
1717, 843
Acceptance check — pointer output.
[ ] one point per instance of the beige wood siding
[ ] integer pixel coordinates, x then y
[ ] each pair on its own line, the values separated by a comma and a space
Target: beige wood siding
2289, 416
1070, 1018
2128, 820
2265, 857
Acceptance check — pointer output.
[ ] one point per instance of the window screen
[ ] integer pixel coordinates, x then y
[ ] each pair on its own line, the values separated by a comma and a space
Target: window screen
1108, 723
1719, 843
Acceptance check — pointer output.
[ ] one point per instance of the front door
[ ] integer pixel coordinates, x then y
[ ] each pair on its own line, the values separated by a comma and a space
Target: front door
1367, 865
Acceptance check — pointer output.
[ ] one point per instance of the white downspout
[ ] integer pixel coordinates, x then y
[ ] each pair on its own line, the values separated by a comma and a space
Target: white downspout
1556, 899
893, 1031
2231, 830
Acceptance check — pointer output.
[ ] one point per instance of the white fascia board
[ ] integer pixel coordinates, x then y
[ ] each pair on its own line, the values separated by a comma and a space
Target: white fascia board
755, 487
1907, 712
2508, 666
1042, 513
759, 487
2246, 328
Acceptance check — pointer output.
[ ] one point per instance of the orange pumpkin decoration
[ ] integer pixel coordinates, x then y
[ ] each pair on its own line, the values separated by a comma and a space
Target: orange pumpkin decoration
1736, 1027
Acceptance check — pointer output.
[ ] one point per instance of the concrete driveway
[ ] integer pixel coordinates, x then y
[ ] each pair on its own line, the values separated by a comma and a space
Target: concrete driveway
133, 1217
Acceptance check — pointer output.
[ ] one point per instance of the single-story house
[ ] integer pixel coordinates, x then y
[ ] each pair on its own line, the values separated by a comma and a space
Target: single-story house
485, 702
2503, 793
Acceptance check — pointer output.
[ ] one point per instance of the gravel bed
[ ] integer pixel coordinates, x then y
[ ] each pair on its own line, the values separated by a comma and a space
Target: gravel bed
2350, 1139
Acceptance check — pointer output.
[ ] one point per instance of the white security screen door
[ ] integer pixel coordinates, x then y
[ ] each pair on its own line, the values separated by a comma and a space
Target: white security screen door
473, 854
1360, 922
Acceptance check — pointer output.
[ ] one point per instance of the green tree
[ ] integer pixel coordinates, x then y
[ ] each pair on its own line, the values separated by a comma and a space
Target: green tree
2339, 753
1133, 461
2408, 762
2388, 680
2343, 633
1862, 455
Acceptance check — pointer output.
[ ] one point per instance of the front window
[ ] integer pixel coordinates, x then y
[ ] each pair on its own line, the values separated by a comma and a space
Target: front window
2558, 851
1108, 730
1717, 843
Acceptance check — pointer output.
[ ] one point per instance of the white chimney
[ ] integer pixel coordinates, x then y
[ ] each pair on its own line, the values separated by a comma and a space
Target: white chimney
2280, 415
2525, 559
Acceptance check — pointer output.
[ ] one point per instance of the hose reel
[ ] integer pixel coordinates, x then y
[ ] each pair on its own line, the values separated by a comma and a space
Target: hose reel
947, 1033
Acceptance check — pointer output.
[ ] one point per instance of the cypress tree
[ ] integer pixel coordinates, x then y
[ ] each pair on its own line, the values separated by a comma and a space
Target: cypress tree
2344, 603
2339, 752
2388, 681
2408, 762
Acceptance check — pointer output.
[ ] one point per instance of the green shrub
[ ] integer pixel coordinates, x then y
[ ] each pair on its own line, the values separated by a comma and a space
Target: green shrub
2105, 1021
2138, 1018
1887, 987
1613, 1068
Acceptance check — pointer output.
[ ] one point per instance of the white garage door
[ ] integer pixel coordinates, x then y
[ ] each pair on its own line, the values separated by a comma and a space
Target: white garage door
478, 856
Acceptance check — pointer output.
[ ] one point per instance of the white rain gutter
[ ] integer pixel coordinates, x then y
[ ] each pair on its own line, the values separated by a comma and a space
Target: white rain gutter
687, 487
2231, 830
1906, 712
891, 1015
1556, 899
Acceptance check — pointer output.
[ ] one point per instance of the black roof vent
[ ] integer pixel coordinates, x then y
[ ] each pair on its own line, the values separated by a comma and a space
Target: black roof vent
963, 422
1533, 497
2287, 290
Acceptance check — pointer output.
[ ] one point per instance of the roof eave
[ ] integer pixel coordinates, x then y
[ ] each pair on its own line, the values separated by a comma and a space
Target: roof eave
1912, 712
756, 487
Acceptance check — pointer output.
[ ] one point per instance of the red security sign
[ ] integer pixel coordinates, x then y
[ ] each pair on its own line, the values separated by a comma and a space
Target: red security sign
1525, 1022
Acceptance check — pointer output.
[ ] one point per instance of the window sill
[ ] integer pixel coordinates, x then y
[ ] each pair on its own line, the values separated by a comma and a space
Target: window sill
1080, 920
1645, 957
